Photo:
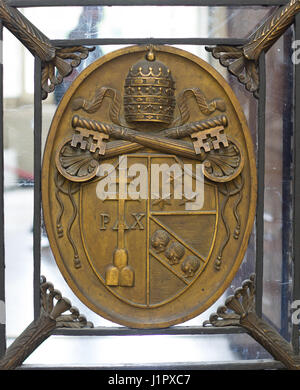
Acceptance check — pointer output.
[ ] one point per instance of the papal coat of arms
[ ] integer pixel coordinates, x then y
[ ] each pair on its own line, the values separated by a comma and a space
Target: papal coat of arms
149, 186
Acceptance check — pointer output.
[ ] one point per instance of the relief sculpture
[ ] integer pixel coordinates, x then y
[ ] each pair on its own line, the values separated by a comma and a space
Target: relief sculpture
149, 186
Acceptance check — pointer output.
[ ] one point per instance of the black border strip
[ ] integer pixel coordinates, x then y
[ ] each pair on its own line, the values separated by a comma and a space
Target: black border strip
260, 139
37, 185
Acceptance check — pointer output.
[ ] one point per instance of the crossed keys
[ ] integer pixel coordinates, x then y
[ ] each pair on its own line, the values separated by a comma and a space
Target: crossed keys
217, 135
210, 130
120, 273
82, 135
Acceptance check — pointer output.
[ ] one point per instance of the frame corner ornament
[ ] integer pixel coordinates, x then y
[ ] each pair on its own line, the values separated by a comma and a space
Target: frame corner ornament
242, 61
57, 62
239, 310
63, 67
234, 59
51, 317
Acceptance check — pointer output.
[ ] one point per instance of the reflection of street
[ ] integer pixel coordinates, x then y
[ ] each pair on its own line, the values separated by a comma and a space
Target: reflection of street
82, 350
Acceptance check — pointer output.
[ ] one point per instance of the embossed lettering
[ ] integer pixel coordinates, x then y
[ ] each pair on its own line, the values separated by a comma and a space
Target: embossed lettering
104, 220
137, 225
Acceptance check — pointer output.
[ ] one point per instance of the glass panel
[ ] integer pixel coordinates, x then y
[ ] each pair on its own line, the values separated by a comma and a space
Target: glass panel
145, 22
278, 185
240, 22
144, 349
18, 186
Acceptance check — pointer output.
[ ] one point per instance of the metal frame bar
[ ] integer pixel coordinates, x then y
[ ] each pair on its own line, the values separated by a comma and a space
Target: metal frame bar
37, 185
199, 3
171, 331
260, 184
148, 41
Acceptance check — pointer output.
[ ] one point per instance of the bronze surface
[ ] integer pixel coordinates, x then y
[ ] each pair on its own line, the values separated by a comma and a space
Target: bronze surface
151, 262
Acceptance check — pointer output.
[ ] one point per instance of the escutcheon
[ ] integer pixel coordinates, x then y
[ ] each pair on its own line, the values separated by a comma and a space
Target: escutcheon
149, 186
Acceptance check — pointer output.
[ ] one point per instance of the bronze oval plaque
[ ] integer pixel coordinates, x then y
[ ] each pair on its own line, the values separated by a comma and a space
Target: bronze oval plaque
149, 186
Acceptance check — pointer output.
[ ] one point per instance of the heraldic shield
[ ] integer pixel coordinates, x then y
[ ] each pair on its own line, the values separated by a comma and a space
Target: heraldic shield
149, 186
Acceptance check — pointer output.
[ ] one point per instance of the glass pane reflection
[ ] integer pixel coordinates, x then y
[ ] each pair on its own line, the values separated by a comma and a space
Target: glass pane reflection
146, 22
